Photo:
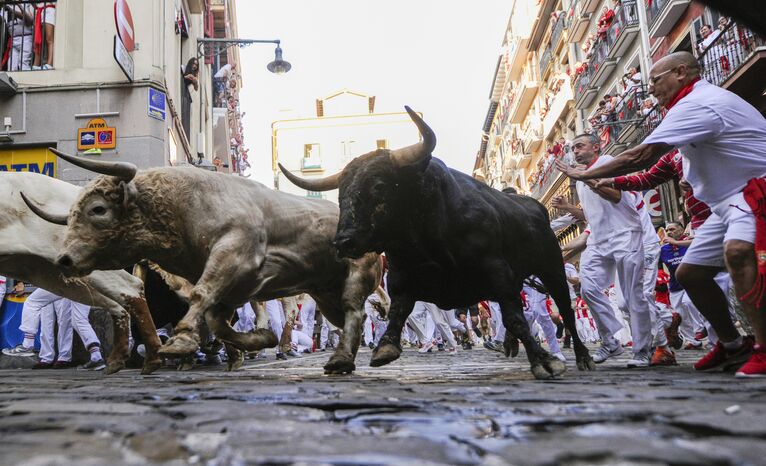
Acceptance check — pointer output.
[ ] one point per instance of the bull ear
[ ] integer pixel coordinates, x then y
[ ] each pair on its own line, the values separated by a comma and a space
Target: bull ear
128, 194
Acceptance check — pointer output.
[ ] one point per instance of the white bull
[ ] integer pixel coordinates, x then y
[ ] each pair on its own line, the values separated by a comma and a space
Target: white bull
235, 239
28, 249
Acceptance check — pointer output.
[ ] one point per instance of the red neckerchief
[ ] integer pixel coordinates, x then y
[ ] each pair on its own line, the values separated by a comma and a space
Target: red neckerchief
592, 162
683, 92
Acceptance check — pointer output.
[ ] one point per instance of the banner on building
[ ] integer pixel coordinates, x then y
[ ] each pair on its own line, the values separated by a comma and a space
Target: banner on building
37, 160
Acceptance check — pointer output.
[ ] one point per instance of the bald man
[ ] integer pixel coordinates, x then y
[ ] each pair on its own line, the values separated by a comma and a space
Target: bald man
722, 139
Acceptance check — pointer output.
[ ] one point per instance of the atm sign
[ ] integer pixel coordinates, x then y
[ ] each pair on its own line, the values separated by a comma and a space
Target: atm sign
96, 135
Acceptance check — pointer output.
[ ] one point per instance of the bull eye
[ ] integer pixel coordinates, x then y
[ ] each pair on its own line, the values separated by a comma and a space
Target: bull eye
98, 210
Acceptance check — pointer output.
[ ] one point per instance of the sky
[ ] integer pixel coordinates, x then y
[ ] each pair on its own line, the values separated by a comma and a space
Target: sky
436, 56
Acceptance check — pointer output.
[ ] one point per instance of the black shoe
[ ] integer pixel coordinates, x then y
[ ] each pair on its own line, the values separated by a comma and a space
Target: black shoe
467, 346
293, 354
567, 341
440, 346
371, 345
281, 356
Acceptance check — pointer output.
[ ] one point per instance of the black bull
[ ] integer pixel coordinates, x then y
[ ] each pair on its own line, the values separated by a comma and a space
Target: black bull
449, 240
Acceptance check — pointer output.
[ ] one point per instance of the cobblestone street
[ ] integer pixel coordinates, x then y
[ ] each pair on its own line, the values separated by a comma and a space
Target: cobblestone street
473, 408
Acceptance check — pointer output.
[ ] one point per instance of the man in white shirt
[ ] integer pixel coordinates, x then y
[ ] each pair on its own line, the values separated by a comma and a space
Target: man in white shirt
722, 138
615, 244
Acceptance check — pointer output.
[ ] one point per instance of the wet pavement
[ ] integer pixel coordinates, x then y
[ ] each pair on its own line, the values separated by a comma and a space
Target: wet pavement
476, 407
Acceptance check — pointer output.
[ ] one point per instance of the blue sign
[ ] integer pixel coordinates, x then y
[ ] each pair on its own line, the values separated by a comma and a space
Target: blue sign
87, 138
156, 104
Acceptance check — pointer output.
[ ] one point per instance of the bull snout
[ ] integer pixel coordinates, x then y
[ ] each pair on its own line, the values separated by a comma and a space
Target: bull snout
346, 246
66, 264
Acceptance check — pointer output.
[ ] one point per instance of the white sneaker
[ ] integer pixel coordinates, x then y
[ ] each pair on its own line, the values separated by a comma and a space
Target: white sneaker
47, 67
427, 347
451, 351
604, 353
19, 350
560, 356
640, 359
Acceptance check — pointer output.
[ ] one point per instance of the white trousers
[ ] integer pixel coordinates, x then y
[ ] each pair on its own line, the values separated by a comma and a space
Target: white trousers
81, 322
30, 313
56, 312
497, 320
276, 316
308, 315
246, 319
441, 323
623, 254
537, 311
21, 54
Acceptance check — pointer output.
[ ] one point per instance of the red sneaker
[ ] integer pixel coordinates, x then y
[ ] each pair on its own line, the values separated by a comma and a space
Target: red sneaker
663, 357
700, 334
720, 358
671, 332
756, 365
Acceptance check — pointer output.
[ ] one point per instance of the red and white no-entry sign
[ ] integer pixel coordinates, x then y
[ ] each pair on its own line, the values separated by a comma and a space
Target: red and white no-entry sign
124, 22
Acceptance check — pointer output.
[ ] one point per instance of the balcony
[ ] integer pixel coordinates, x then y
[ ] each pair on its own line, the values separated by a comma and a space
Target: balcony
624, 30
662, 15
736, 61
583, 93
545, 61
578, 27
589, 6
525, 95
533, 136
549, 178
558, 106
516, 55
558, 30
311, 164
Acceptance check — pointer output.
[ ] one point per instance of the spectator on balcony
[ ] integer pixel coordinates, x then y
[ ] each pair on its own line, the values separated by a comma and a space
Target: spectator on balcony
191, 73
604, 22
19, 22
632, 80
45, 25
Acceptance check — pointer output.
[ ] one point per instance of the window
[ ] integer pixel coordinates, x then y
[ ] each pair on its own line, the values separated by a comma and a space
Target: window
312, 159
382, 143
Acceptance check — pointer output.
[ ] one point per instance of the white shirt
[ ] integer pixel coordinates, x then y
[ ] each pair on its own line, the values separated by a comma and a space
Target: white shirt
607, 219
722, 138
571, 272
650, 234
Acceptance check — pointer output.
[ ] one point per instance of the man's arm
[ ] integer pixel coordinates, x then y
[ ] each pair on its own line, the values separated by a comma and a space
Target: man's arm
638, 158
610, 194
561, 202
662, 171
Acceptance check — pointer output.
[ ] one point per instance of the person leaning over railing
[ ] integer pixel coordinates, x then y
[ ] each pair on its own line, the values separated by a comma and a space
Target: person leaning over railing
19, 20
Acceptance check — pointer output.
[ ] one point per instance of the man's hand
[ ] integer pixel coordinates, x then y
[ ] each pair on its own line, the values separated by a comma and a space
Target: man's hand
605, 183
684, 185
572, 172
561, 202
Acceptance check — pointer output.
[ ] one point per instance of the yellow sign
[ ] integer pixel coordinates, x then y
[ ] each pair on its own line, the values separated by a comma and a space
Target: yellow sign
96, 135
39, 160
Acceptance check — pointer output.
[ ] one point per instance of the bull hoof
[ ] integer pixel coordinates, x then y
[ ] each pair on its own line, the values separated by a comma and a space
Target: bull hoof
511, 346
555, 367
236, 362
151, 366
586, 364
179, 345
340, 364
186, 363
384, 354
114, 366
541, 373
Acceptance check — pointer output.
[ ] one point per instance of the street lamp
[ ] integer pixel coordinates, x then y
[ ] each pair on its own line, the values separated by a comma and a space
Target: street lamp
278, 66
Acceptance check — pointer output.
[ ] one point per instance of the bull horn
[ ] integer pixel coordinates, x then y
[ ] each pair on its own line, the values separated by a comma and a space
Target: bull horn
58, 219
413, 154
313, 184
122, 170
